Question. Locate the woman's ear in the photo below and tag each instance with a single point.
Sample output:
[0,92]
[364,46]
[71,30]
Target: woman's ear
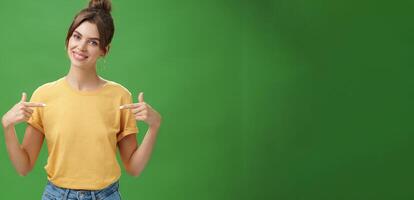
[106,50]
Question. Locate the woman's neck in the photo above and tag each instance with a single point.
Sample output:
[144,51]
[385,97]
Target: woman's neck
[84,79]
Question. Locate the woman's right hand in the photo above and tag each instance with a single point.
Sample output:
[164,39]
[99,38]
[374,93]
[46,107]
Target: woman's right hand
[20,112]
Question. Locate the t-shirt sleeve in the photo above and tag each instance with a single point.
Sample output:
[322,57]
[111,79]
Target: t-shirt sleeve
[36,119]
[127,122]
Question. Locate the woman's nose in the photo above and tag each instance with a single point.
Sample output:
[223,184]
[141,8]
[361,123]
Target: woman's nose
[82,46]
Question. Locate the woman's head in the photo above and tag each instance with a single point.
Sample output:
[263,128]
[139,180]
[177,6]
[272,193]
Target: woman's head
[96,19]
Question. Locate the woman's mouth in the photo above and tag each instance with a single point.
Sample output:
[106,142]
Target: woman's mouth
[79,56]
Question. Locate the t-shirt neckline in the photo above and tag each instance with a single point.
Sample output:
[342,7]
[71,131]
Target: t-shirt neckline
[92,92]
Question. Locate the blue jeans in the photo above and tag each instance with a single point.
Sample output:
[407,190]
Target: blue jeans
[53,192]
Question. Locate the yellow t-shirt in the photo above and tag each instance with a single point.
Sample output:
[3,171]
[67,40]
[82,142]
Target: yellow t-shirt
[82,129]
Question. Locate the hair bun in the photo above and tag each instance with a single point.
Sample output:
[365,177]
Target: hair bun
[100,4]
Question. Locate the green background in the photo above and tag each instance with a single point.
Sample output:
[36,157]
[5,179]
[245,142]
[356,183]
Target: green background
[282,99]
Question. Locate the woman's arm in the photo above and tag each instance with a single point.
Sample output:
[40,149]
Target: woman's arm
[136,158]
[22,156]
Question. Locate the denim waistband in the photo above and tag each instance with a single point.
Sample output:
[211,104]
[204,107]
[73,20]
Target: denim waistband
[93,194]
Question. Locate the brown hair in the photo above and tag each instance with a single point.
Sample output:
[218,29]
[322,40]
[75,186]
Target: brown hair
[98,12]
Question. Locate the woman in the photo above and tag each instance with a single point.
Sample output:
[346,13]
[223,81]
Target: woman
[83,118]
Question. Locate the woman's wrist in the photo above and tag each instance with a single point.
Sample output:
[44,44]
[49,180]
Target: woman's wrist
[5,122]
[155,125]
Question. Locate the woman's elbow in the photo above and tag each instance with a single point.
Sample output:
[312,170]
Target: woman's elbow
[134,172]
[24,171]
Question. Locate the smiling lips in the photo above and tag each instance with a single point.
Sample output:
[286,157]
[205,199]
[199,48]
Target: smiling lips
[79,56]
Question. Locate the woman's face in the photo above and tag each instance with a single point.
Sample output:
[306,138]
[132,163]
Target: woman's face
[83,46]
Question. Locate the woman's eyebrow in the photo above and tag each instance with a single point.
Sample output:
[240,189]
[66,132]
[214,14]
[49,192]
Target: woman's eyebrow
[89,38]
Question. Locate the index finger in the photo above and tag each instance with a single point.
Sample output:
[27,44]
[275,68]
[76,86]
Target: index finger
[129,106]
[32,104]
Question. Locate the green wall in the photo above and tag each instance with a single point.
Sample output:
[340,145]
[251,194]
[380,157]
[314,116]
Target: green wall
[270,99]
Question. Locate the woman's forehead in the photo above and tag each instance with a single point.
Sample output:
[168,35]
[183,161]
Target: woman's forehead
[88,30]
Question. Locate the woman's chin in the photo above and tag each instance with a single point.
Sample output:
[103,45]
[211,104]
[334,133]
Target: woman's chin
[78,65]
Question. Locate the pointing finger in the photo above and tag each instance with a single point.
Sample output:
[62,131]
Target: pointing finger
[128,106]
[31,104]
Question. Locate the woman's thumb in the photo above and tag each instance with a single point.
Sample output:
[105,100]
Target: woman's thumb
[23,97]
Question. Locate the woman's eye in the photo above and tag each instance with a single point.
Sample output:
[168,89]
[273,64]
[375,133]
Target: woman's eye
[93,43]
[77,37]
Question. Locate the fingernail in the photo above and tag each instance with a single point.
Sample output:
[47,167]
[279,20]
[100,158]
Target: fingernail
[120,107]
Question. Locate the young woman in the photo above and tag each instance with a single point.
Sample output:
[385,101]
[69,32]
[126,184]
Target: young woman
[84,119]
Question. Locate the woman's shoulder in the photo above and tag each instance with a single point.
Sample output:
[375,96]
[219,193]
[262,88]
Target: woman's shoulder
[117,88]
[46,89]
[48,86]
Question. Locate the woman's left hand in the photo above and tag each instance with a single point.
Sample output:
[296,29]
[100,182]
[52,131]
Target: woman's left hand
[144,112]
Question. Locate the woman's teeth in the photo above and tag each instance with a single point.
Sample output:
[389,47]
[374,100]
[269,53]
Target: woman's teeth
[79,56]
